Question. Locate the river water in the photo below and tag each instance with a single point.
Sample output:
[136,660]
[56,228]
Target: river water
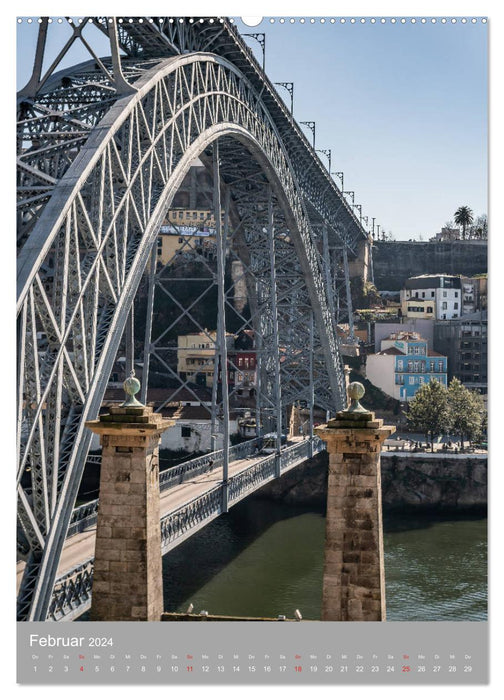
[264,559]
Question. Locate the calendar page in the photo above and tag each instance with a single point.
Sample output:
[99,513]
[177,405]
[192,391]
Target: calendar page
[252,323]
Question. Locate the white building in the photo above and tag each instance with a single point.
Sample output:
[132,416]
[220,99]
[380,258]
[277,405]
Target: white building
[432,296]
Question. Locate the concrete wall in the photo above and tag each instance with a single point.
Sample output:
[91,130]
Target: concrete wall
[395,261]
[380,372]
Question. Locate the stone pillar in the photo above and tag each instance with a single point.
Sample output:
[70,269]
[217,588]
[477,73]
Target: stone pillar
[354,573]
[127,581]
[295,421]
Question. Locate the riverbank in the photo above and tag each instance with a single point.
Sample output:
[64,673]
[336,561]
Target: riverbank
[419,481]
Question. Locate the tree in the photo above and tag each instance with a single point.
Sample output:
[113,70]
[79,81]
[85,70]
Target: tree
[480,228]
[428,411]
[466,412]
[463,217]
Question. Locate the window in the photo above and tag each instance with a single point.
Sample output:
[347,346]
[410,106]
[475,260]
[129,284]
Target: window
[185,431]
[412,380]
[445,305]
[181,215]
[399,364]
[432,365]
[455,305]
[456,295]
[445,294]
[423,295]
[432,294]
[429,309]
[420,380]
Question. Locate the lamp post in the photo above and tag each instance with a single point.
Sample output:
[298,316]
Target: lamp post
[290,88]
[327,153]
[311,126]
[340,178]
[261,40]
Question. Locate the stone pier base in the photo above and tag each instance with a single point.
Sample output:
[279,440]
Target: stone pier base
[127,581]
[354,574]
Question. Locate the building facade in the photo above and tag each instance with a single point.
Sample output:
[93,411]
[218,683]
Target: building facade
[196,358]
[465,342]
[432,296]
[474,294]
[404,364]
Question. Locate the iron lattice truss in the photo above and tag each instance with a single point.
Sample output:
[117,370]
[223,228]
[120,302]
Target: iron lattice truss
[102,150]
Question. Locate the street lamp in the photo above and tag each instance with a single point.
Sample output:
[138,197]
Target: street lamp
[340,177]
[290,88]
[327,153]
[311,126]
[261,39]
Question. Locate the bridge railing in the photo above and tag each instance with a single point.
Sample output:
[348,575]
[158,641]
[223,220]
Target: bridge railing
[200,465]
[187,518]
[250,479]
[72,593]
[83,516]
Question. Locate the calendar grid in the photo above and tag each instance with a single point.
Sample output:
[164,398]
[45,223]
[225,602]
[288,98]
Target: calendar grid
[269,652]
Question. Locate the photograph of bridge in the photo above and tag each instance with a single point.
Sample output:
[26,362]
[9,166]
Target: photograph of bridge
[198,294]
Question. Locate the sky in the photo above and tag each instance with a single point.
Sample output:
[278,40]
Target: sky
[402,107]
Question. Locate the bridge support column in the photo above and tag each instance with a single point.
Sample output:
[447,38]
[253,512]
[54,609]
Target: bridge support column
[354,572]
[127,582]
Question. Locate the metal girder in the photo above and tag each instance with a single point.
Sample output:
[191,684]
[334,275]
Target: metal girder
[85,253]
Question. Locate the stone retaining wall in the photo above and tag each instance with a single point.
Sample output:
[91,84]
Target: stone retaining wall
[418,480]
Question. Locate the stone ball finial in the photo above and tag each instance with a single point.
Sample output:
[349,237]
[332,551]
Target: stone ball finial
[131,387]
[356,390]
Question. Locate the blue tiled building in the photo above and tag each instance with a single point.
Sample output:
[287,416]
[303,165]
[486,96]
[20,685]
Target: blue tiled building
[404,364]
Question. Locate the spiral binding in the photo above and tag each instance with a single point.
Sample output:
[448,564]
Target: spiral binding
[284,20]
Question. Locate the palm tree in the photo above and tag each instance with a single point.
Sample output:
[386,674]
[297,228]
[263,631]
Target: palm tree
[463,217]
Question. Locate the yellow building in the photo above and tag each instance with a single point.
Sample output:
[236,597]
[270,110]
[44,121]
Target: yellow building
[186,233]
[196,357]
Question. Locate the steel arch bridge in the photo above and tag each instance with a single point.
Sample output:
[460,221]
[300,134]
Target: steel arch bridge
[103,148]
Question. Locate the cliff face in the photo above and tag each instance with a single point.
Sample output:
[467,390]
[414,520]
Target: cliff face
[420,481]
[394,262]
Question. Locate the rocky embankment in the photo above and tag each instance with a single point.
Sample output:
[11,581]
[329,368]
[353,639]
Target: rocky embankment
[420,481]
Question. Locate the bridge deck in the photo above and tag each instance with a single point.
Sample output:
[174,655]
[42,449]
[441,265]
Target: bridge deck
[80,547]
